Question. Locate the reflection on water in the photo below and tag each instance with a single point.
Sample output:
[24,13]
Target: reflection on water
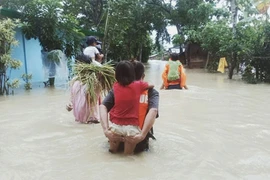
[218,129]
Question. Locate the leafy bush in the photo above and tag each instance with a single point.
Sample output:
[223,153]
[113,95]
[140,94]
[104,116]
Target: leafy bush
[7,63]
[248,76]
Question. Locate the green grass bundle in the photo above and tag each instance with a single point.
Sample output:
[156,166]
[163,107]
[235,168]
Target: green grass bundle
[96,79]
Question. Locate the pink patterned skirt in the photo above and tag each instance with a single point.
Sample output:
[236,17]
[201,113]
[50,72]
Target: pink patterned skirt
[82,111]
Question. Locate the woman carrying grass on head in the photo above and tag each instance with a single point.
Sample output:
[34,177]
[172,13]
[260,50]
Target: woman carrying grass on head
[86,87]
[125,113]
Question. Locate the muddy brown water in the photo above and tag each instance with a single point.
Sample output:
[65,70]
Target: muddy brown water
[218,129]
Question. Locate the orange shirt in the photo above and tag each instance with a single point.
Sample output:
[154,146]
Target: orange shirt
[143,107]
[181,81]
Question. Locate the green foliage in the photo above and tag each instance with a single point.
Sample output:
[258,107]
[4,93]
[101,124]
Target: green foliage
[7,41]
[129,25]
[177,40]
[90,13]
[55,56]
[191,15]
[27,78]
[260,58]
[45,20]
[216,38]
[248,76]
[13,4]
[147,49]
[54,23]
[13,84]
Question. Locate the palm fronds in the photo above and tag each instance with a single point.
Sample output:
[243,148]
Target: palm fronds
[98,79]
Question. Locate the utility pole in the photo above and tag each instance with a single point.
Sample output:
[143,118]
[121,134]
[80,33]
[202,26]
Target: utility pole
[234,12]
[106,43]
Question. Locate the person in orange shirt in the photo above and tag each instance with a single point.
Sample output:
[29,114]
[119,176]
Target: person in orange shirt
[173,75]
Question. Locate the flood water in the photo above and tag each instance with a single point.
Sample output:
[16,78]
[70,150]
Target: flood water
[218,129]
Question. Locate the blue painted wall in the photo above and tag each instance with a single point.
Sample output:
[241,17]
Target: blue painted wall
[33,63]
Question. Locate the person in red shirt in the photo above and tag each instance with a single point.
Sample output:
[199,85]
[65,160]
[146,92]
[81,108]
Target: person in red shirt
[125,113]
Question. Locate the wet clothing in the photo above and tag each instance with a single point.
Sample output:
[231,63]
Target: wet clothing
[222,65]
[181,80]
[143,107]
[126,108]
[125,130]
[173,73]
[152,102]
[175,86]
[79,99]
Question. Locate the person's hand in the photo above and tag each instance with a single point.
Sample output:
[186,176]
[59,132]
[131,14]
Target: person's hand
[69,107]
[113,137]
[162,87]
[134,139]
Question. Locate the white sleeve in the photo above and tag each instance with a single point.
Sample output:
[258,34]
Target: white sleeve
[86,52]
[96,50]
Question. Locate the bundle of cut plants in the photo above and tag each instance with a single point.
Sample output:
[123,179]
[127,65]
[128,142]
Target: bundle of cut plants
[96,78]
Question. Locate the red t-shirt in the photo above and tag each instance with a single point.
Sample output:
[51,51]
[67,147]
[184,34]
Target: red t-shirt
[126,103]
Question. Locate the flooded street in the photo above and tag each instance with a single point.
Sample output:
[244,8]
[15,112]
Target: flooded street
[218,129]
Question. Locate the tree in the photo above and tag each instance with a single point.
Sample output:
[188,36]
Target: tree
[129,26]
[14,4]
[7,41]
[260,56]
[90,14]
[44,20]
[216,38]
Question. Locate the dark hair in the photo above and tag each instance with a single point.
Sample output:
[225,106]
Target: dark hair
[139,69]
[174,57]
[82,58]
[90,40]
[124,73]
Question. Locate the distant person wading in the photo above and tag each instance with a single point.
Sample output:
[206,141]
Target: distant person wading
[173,75]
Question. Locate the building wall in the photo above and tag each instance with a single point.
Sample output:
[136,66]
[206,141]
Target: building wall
[33,64]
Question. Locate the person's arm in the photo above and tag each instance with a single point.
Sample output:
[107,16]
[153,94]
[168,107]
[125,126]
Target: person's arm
[149,122]
[165,76]
[104,108]
[153,102]
[144,86]
[69,106]
[162,86]
[98,55]
[182,77]
[104,118]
